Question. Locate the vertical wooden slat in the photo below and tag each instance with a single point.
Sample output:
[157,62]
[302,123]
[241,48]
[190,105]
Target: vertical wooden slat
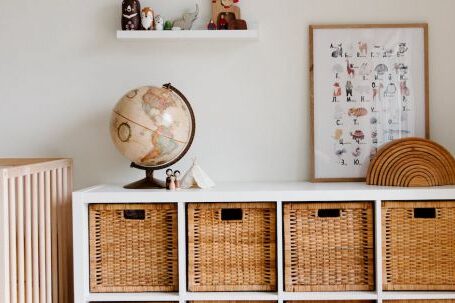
[4,238]
[61,277]
[42,239]
[69,234]
[35,239]
[47,195]
[12,240]
[55,220]
[28,240]
[20,240]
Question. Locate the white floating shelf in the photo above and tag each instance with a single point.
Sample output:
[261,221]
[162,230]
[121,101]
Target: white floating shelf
[250,34]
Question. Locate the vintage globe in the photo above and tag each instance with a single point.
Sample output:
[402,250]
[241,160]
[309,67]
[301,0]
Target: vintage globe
[153,126]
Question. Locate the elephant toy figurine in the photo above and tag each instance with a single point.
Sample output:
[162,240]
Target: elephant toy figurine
[187,20]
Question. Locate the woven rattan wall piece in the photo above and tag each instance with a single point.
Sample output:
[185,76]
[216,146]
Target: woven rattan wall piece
[328,246]
[418,242]
[412,162]
[133,247]
[232,247]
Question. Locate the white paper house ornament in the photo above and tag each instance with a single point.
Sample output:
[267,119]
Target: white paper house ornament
[196,177]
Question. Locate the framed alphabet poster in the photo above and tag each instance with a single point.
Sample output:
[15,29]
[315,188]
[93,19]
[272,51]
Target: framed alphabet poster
[369,86]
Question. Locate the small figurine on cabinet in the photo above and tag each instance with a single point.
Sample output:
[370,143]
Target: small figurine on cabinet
[187,20]
[147,18]
[131,19]
[222,23]
[169,174]
[172,183]
[177,179]
[159,23]
[211,26]
[225,8]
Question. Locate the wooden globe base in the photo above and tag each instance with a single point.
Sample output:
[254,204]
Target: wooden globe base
[149,182]
[412,162]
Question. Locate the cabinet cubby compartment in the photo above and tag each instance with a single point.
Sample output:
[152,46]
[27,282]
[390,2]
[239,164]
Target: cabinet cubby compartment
[232,246]
[328,246]
[418,245]
[332,301]
[133,248]
[231,301]
[421,301]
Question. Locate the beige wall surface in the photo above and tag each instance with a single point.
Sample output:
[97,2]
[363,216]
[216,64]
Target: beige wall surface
[62,70]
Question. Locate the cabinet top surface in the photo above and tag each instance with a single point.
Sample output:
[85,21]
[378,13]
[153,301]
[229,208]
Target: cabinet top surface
[268,191]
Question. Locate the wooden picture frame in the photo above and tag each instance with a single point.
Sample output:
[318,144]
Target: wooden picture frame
[414,37]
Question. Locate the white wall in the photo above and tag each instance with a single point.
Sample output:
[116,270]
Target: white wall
[62,70]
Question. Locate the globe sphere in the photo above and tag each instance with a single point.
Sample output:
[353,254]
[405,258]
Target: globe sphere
[153,126]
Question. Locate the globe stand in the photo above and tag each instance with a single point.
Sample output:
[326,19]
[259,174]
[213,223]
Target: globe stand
[149,182]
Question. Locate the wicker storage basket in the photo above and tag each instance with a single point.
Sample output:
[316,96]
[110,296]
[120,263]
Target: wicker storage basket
[232,247]
[332,301]
[231,301]
[420,301]
[328,246]
[418,245]
[133,247]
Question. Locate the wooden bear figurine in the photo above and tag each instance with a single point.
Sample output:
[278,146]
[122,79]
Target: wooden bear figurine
[131,15]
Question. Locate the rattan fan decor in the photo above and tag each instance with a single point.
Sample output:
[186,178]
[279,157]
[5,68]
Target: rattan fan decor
[412,162]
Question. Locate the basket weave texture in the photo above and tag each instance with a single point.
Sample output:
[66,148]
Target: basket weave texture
[233,301]
[232,255]
[418,249]
[133,254]
[421,301]
[328,246]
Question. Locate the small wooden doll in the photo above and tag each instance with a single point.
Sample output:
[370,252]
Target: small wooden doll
[172,183]
[222,23]
[211,26]
[131,19]
[147,18]
[159,23]
[169,173]
[177,179]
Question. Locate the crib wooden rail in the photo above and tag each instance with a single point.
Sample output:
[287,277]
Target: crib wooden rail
[35,231]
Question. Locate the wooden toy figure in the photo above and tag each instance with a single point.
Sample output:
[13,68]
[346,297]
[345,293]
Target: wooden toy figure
[159,23]
[211,26]
[131,19]
[225,8]
[222,23]
[172,183]
[169,173]
[147,18]
[177,179]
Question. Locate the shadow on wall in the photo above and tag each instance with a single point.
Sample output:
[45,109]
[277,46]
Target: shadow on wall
[95,157]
